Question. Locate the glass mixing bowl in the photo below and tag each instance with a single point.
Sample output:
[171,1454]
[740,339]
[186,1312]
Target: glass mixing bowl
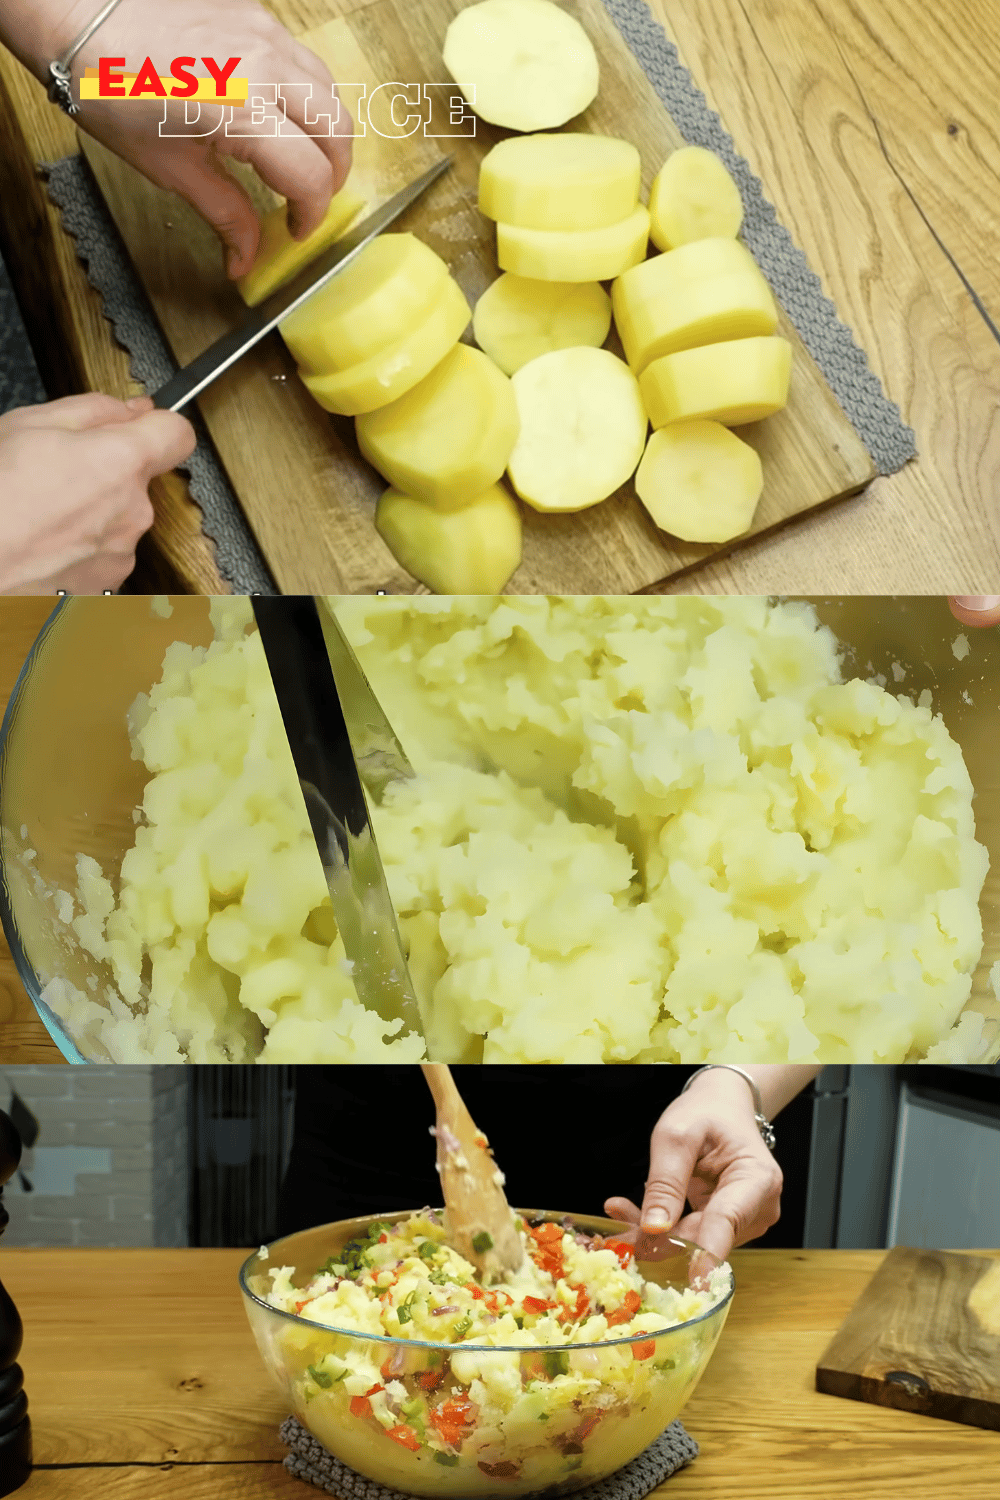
[69,785]
[519,1442]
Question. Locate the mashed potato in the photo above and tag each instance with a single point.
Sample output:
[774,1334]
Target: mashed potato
[559,1373]
[642,830]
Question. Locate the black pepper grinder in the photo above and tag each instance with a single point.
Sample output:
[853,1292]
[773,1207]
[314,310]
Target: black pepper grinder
[15,1424]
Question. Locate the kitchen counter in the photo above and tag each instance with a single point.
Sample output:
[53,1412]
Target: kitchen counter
[144,1383]
[872,131]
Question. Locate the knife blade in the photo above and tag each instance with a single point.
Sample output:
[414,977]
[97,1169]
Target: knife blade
[294,644]
[380,757]
[224,353]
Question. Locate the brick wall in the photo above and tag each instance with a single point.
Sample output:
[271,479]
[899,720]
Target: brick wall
[110,1163]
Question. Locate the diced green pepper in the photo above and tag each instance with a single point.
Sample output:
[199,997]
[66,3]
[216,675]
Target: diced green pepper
[448,1459]
[482,1242]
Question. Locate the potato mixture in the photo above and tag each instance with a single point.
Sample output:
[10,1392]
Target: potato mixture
[542,1377]
[642,830]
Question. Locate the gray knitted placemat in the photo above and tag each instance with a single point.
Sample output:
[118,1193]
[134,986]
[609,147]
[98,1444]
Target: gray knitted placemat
[876,419]
[674,1449]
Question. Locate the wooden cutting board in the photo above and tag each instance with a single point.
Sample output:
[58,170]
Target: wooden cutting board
[924,1336]
[307,493]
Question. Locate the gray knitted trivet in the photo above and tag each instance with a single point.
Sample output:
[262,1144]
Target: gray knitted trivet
[876,419]
[309,1460]
[85,216]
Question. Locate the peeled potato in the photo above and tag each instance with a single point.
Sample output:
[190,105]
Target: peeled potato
[583,426]
[474,550]
[279,256]
[693,197]
[707,293]
[700,482]
[449,439]
[388,375]
[742,381]
[561,181]
[522,64]
[517,320]
[574,254]
[370,305]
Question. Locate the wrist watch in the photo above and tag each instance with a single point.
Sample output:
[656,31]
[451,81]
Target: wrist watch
[762,1122]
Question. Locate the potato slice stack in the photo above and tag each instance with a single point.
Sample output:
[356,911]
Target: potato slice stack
[566,206]
[436,418]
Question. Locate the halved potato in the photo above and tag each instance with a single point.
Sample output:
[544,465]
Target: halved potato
[516,320]
[574,254]
[447,440]
[370,305]
[522,64]
[700,482]
[564,181]
[705,293]
[388,375]
[473,550]
[279,256]
[693,197]
[583,426]
[733,383]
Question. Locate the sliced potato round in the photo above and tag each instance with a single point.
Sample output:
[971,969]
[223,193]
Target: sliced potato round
[388,375]
[700,482]
[447,440]
[473,550]
[522,64]
[517,320]
[693,197]
[279,256]
[583,426]
[370,305]
[706,293]
[742,381]
[565,181]
[574,254]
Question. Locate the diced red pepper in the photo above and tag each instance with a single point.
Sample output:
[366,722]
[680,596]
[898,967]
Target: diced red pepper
[624,1314]
[537,1305]
[384,1370]
[405,1436]
[360,1406]
[476,1291]
[374,1390]
[586,1427]
[505,1470]
[493,1302]
[300,1305]
[574,1314]
[624,1252]
[452,1417]
[383,1239]
[644,1351]
[429,1380]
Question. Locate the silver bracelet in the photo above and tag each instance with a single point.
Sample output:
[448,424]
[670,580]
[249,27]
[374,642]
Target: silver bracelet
[763,1123]
[60,77]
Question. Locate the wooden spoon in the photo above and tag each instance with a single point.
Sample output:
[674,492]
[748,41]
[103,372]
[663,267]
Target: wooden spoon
[478,1220]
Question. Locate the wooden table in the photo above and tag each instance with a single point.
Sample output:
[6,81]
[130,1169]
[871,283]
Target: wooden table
[144,1384]
[872,128]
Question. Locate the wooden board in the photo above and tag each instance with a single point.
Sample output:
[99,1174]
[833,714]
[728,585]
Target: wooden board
[308,495]
[924,1336]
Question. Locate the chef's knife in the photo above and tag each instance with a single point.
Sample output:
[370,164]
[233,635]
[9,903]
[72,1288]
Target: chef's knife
[296,651]
[220,356]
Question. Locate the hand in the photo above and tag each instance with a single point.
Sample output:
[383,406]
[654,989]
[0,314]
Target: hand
[976,610]
[306,170]
[706,1150]
[74,477]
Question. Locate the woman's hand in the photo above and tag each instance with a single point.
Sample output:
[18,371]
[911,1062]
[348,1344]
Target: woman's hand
[74,480]
[706,1150]
[306,169]
[976,609]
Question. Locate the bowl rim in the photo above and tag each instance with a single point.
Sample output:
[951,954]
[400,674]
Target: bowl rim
[25,969]
[540,1215]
